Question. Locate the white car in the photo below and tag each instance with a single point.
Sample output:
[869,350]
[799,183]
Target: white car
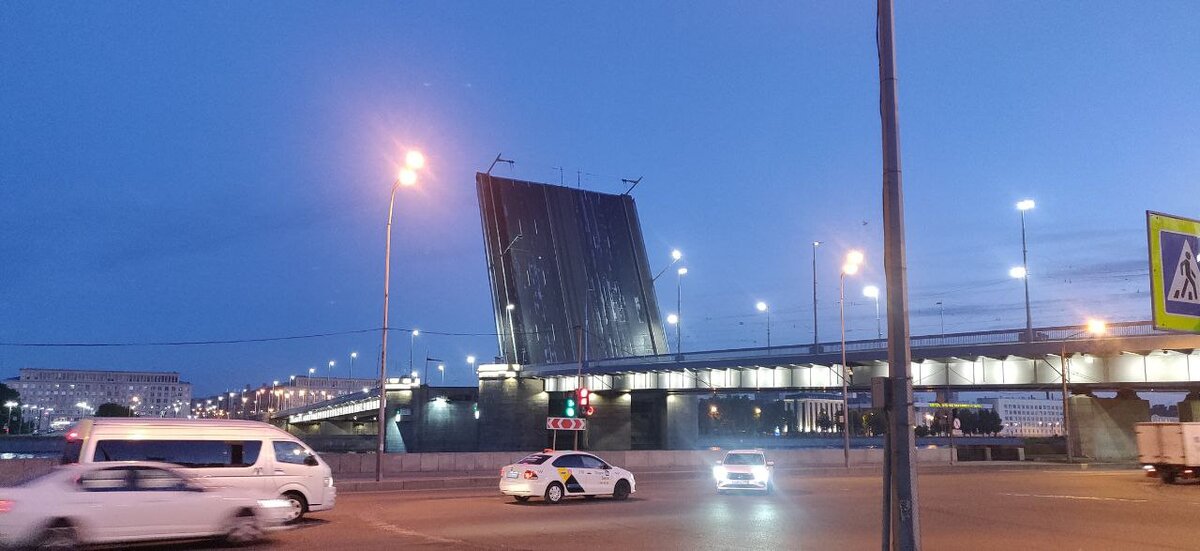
[555,475]
[129,501]
[744,470]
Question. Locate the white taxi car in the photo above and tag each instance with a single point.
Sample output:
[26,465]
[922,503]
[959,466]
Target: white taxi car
[744,470]
[555,475]
[130,501]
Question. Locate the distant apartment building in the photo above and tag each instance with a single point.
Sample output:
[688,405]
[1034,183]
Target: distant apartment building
[1029,415]
[61,396]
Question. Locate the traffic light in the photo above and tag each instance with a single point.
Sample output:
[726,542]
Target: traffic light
[569,411]
[585,403]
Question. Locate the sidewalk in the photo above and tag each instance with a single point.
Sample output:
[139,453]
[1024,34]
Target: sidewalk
[411,481]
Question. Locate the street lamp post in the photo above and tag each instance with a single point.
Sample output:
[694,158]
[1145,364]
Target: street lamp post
[512,330]
[329,375]
[942,317]
[815,244]
[762,307]
[1023,206]
[442,372]
[408,176]
[871,291]
[679,309]
[350,373]
[676,255]
[853,259]
[1096,328]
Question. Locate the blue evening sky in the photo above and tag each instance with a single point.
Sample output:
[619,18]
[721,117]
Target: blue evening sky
[220,170]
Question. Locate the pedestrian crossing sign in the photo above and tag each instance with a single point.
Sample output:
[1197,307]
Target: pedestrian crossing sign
[1174,271]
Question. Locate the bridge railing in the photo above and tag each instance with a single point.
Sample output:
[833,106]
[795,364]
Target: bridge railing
[971,338]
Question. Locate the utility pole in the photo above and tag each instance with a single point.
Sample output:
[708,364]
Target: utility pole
[905,522]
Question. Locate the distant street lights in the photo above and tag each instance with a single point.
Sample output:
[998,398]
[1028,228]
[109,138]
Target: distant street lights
[762,307]
[8,427]
[871,291]
[1023,206]
[850,267]
[676,256]
[413,161]
[1095,328]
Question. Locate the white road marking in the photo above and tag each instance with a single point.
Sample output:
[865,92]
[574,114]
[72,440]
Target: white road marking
[1081,498]
[392,528]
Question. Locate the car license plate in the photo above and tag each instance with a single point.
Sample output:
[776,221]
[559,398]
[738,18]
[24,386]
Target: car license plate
[512,474]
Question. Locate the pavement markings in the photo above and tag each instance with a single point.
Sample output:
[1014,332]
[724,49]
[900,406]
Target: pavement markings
[1081,498]
[393,529]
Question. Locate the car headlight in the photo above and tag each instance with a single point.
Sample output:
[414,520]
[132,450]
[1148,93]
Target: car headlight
[760,472]
[719,473]
[329,482]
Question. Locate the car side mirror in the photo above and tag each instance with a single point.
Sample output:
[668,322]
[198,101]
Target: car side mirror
[770,463]
[311,460]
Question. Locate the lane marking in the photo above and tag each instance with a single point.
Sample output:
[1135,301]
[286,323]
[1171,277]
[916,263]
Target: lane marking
[392,528]
[1081,498]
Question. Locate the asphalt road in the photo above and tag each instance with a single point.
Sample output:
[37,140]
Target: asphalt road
[971,509]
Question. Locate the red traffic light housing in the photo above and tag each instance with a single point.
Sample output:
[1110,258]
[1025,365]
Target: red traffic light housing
[583,397]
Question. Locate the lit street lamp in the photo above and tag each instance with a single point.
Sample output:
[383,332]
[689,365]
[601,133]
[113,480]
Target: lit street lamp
[353,356]
[853,260]
[815,244]
[412,345]
[676,255]
[413,161]
[871,291]
[762,307]
[512,330]
[1023,206]
[8,427]
[442,372]
[329,374]
[673,319]
[1095,328]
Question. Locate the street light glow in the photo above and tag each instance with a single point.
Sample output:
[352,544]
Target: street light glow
[415,333]
[407,177]
[510,307]
[854,257]
[414,160]
[672,319]
[871,291]
[1096,327]
[471,359]
[1025,204]
[683,271]
[1017,272]
[676,254]
[353,355]
[761,306]
[850,268]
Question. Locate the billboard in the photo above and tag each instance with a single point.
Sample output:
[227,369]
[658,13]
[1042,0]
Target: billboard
[1174,271]
[568,271]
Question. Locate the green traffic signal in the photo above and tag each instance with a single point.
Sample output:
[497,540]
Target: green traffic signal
[570,410]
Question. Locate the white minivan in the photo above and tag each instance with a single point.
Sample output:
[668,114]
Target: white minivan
[220,452]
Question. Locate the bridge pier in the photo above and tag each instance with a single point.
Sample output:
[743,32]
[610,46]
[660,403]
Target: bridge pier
[1189,408]
[512,414]
[1102,428]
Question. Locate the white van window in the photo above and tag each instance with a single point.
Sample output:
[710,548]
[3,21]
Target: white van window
[291,452]
[106,480]
[187,453]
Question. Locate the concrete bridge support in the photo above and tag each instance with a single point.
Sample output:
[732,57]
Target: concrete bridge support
[512,414]
[1102,428]
[1189,408]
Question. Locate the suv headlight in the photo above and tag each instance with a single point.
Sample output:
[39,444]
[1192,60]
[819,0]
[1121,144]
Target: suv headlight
[760,472]
[719,473]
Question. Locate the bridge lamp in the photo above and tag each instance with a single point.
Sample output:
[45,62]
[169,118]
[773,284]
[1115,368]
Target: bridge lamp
[1096,327]
[672,319]
[676,255]
[1017,272]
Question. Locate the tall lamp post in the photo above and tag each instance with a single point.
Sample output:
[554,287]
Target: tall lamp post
[815,244]
[329,374]
[1023,206]
[762,307]
[8,426]
[442,371]
[871,291]
[679,309]
[412,345]
[853,260]
[673,319]
[1095,328]
[413,161]
[350,373]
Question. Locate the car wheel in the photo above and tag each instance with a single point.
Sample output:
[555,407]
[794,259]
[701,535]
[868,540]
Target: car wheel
[521,499]
[244,528]
[554,493]
[59,535]
[1167,475]
[297,507]
[621,490]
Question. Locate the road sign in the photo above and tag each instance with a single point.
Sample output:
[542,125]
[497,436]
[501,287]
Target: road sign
[1174,271]
[566,423]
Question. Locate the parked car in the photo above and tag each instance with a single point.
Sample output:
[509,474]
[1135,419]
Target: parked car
[128,502]
[744,470]
[247,454]
[555,475]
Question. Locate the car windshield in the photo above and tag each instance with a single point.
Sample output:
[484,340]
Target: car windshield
[535,459]
[744,459]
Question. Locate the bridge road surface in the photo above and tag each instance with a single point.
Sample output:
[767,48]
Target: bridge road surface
[975,508]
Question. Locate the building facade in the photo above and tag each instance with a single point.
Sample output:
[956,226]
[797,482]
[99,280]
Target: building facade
[1029,415]
[58,397]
